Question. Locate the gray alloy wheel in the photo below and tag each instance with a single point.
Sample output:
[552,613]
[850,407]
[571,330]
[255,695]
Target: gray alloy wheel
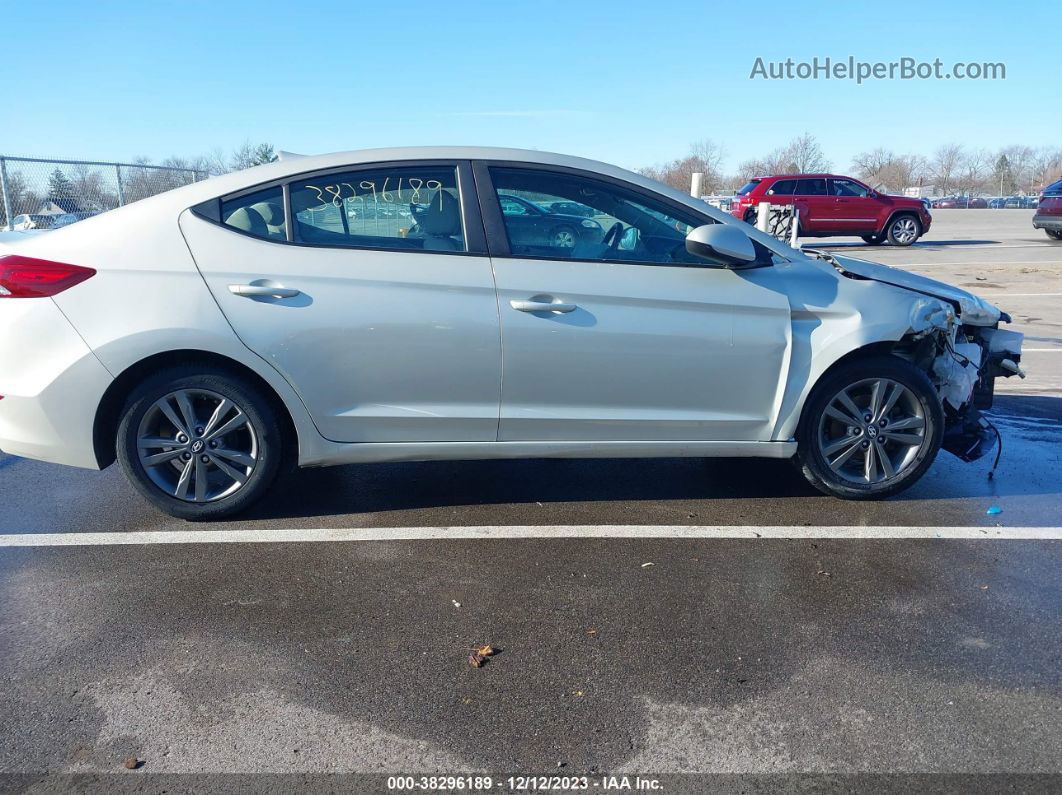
[197,445]
[904,231]
[873,431]
[563,237]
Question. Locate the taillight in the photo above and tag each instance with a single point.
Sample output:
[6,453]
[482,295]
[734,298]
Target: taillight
[27,277]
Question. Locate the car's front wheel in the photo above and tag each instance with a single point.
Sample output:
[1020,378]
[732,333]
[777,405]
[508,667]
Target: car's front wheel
[904,230]
[1054,233]
[563,237]
[199,443]
[870,429]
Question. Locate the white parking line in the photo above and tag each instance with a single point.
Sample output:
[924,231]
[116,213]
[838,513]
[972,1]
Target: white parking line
[295,535]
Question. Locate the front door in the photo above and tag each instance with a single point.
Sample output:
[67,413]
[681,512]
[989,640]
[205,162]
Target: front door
[378,306]
[854,209]
[624,336]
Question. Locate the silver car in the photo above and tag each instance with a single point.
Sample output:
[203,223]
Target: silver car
[377,306]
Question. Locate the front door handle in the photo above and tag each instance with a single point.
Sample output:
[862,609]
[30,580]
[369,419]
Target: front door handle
[263,290]
[542,306]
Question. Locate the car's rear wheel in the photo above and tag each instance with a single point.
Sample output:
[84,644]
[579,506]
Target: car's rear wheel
[1054,233]
[873,240]
[750,216]
[904,230]
[870,429]
[199,443]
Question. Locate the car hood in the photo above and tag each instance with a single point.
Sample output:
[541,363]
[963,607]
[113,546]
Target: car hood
[972,309]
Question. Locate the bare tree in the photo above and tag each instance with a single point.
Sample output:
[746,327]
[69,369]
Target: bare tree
[884,169]
[804,155]
[705,157]
[944,166]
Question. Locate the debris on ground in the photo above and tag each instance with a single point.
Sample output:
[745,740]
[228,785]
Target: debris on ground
[993,510]
[591,632]
[456,603]
[823,573]
[132,763]
[647,565]
[480,655]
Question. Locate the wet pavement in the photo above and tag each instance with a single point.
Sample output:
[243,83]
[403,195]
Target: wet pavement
[773,656]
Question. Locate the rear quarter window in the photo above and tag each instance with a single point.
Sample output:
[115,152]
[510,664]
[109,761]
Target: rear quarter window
[747,188]
[260,214]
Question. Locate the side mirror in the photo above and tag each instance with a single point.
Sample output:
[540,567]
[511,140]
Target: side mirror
[723,244]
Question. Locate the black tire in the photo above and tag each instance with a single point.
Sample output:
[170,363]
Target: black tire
[750,216]
[1054,234]
[565,233]
[813,462]
[897,231]
[262,428]
[873,240]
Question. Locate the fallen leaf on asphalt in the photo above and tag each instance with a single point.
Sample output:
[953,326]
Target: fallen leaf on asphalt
[132,763]
[476,660]
[485,651]
[591,632]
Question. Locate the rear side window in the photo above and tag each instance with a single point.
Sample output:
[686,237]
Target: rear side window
[260,214]
[747,188]
[387,208]
[1054,189]
[783,187]
[811,187]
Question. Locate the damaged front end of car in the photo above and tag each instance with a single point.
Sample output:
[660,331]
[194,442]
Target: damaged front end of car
[955,338]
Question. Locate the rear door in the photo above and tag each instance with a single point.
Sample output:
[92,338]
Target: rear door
[370,290]
[814,204]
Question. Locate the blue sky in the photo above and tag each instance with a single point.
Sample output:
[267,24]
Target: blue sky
[630,83]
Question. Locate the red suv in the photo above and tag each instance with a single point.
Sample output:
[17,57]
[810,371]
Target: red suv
[1049,212]
[832,205]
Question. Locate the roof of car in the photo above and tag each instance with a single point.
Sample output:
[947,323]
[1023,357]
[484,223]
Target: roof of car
[803,176]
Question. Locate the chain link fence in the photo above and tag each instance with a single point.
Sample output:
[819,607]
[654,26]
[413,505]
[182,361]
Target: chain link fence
[42,194]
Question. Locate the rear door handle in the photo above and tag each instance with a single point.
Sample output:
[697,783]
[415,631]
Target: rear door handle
[542,306]
[260,290]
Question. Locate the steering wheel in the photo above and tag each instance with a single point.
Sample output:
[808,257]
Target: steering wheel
[612,236]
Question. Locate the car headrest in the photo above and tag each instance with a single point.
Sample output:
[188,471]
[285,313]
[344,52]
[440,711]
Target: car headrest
[248,219]
[272,214]
[443,216]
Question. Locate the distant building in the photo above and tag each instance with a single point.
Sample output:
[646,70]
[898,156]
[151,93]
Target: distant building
[58,207]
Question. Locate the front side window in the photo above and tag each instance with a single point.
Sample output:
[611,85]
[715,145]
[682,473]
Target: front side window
[613,223]
[845,187]
[390,208]
[811,187]
[260,214]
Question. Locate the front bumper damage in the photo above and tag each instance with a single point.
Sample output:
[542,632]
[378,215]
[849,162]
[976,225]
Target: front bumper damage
[966,362]
[954,336]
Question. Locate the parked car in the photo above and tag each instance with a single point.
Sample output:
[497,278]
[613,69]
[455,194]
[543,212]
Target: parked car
[206,336]
[1049,211]
[571,208]
[976,203]
[830,205]
[1020,202]
[65,219]
[997,202]
[531,226]
[32,221]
